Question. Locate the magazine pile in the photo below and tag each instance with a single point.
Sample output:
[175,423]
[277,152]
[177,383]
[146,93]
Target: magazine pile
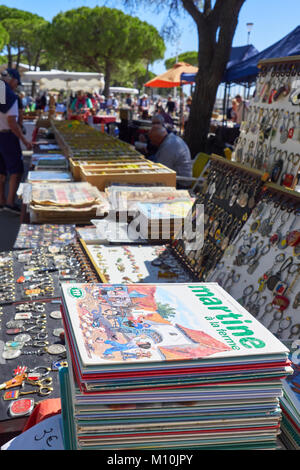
[168,366]
[290,402]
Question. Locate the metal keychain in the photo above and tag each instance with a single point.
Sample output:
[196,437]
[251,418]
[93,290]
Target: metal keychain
[277,317]
[283,327]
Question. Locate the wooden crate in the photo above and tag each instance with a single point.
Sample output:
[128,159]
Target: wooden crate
[76,164]
[160,175]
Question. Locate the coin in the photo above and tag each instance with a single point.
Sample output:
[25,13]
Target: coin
[11,353]
[56,349]
[56,314]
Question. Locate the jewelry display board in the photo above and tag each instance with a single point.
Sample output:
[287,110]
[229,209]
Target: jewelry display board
[31,332]
[34,236]
[136,263]
[261,268]
[32,350]
[269,138]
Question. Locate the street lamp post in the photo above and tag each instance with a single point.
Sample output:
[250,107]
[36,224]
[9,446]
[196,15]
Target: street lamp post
[249,29]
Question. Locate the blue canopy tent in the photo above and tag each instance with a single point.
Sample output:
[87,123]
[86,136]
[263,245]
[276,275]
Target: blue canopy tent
[246,70]
[237,55]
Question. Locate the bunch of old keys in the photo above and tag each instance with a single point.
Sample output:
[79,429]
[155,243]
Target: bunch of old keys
[263,270]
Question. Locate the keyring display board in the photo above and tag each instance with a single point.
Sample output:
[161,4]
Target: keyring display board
[270,135]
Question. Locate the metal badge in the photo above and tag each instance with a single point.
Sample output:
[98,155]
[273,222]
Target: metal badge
[11,354]
[56,314]
[56,349]
[22,407]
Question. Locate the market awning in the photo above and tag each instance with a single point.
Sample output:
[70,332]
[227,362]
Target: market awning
[172,77]
[60,75]
[247,70]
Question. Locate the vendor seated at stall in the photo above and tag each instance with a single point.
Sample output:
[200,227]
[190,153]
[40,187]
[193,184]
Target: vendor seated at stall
[81,104]
[172,152]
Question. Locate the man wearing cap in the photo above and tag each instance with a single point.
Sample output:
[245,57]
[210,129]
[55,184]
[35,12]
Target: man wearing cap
[11,162]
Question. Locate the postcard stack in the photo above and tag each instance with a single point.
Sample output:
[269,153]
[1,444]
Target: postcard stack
[66,203]
[162,221]
[168,366]
[290,402]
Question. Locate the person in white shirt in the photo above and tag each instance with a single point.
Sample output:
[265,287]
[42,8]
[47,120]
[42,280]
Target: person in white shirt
[11,134]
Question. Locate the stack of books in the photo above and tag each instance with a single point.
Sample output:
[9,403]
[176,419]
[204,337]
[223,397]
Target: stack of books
[168,366]
[290,402]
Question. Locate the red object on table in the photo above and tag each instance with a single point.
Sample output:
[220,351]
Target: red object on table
[104,119]
[43,410]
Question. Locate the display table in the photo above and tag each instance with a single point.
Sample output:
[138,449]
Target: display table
[104,119]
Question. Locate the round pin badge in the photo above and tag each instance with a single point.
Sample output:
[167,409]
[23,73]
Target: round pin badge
[22,407]
[58,331]
[56,349]
[56,314]
[11,353]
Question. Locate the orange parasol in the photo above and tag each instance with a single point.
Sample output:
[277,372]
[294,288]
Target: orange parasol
[171,78]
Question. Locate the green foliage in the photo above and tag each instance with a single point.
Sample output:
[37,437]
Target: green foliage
[4,37]
[24,35]
[100,39]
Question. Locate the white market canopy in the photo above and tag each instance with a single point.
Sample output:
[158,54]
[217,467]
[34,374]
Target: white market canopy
[57,79]
[73,81]
[119,89]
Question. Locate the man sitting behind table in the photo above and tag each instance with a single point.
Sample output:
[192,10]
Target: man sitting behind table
[172,152]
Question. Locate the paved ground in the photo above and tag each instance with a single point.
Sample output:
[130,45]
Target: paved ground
[10,223]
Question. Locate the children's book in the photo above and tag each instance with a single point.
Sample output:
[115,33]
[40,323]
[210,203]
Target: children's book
[162,326]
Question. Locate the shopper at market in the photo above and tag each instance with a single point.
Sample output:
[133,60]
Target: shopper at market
[172,152]
[241,109]
[144,106]
[170,106]
[11,134]
[232,112]
[112,104]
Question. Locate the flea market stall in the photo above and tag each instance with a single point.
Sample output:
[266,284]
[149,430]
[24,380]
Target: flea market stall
[160,317]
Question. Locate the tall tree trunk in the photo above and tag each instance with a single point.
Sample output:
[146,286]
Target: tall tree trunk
[107,78]
[216,29]
[198,124]
[9,57]
[18,58]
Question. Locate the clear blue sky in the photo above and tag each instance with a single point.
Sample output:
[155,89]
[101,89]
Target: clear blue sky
[272,19]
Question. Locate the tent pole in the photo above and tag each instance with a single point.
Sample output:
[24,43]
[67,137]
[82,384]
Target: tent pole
[181,110]
[224,104]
